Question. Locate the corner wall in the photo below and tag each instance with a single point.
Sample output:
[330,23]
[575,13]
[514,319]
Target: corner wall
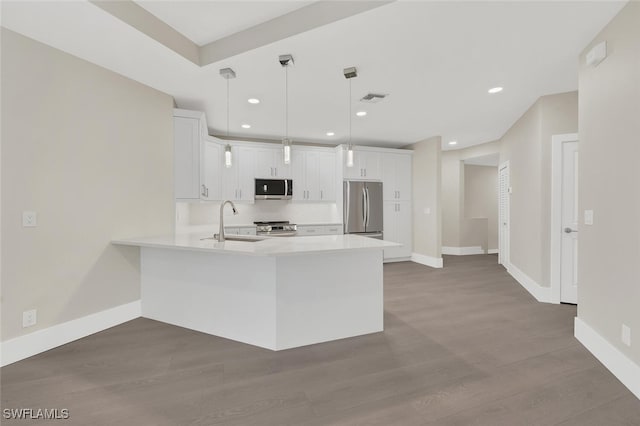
[91,152]
[427,209]
[609,184]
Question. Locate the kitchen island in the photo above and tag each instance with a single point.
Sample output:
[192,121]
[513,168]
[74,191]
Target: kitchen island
[275,293]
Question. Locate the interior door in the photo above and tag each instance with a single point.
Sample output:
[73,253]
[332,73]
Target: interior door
[569,247]
[503,213]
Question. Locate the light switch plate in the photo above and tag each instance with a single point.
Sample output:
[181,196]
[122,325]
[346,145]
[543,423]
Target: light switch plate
[626,335]
[29,219]
[588,217]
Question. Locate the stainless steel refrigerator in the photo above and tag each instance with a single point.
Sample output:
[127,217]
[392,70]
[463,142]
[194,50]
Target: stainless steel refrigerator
[363,208]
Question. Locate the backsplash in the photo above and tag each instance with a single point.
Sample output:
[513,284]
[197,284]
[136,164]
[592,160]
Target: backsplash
[199,214]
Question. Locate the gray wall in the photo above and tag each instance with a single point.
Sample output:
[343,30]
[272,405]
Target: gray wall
[527,147]
[427,227]
[609,184]
[90,152]
[481,198]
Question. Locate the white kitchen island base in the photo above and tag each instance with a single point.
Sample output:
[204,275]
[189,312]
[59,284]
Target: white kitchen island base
[275,302]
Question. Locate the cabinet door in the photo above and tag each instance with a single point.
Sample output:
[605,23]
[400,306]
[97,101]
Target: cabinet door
[390,228]
[265,163]
[327,176]
[211,172]
[186,145]
[312,175]
[390,190]
[246,160]
[282,171]
[298,174]
[370,164]
[309,230]
[404,228]
[403,177]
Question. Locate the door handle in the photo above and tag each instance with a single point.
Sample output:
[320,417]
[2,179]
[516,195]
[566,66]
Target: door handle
[569,230]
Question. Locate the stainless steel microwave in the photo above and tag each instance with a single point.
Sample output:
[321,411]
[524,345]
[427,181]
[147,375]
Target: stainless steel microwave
[274,189]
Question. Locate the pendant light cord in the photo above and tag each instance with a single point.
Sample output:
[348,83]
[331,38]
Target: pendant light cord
[286,102]
[227,108]
[350,113]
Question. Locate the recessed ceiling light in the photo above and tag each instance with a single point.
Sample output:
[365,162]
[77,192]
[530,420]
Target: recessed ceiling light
[495,90]
[361,113]
[330,134]
[453,142]
[253,101]
[246,126]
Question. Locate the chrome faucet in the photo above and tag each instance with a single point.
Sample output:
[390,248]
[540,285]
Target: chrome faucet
[220,235]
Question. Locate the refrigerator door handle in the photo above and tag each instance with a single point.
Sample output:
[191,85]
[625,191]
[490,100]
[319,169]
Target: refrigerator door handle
[366,224]
[346,221]
[364,207]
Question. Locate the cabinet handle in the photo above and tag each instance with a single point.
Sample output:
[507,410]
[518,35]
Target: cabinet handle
[240,192]
[275,171]
[207,191]
[203,193]
[321,195]
[365,172]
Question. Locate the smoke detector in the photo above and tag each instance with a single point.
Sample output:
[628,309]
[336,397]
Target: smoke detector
[372,98]
[227,73]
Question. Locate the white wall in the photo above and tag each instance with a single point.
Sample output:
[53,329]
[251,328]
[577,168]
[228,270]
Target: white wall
[609,184]
[427,227]
[526,145]
[91,152]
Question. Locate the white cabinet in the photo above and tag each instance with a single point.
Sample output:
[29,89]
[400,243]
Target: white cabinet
[238,180]
[313,175]
[366,166]
[396,176]
[210,170]
[186,154]
[310,230]
[397,229]
[239,230]
[270,164]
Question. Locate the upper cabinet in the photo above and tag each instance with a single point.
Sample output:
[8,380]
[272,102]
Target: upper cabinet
[314,175]
[270,164]
[210,164]
[187,134]
[396,176]
[366,165]
[238,180]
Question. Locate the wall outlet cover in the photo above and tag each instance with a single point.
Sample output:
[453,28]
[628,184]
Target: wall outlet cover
[29,318]
[588,217]
[29,219]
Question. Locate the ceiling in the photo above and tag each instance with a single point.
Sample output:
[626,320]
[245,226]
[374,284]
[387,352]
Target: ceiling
[206,21]
[436,60]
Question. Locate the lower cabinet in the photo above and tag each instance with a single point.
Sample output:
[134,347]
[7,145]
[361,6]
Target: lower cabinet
[397,229]
[240,230]
[310,230]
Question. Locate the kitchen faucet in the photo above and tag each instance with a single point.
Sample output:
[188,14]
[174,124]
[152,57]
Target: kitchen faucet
[220,235]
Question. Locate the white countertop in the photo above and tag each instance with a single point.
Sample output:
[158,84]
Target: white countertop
[272,246]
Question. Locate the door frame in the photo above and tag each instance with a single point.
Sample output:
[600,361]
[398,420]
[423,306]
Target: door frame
[504,257]
[556,211]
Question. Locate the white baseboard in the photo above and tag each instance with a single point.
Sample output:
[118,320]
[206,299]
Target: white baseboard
[397,259]
[622,367]
[462,251]
[542,294]
[434,262]
[39,341]
[492,251]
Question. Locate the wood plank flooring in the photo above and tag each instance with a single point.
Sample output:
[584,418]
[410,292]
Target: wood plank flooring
[463,345]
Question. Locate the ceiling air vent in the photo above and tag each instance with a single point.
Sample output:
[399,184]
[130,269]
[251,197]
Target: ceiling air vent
[373,98]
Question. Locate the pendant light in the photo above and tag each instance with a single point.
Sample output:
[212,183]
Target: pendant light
[285,61]
[349,74]
[227,74]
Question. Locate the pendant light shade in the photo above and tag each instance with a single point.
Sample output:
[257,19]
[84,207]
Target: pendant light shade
[285,61]
[227,74]
[349,74]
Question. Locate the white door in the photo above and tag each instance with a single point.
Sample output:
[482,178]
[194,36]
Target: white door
[503,214]
[569,247]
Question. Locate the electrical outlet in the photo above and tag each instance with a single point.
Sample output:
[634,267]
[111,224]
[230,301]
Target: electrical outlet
[29,219]
[29,318]
[426,210]
[626,335]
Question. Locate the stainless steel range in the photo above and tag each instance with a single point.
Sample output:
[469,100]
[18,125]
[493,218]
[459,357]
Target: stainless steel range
[280,228]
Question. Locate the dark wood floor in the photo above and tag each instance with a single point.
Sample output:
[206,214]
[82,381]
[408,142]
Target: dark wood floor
[463,345]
